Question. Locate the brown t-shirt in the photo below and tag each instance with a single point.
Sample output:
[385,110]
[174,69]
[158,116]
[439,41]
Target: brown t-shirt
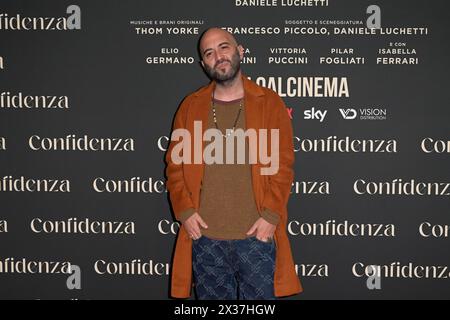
[227,203]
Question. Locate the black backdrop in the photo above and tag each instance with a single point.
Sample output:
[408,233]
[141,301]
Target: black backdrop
[120,77]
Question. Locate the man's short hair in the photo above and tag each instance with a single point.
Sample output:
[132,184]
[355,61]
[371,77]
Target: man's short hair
[200,53]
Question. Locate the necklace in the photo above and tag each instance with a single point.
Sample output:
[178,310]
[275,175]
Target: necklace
[215,118]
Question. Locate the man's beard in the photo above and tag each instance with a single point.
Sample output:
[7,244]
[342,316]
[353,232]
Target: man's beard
[220,77]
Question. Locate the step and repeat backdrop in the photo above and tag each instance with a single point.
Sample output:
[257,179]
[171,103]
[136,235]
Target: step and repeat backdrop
[88,92]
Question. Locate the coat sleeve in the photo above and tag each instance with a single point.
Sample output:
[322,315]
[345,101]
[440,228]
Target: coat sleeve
[277,194]
[179,195]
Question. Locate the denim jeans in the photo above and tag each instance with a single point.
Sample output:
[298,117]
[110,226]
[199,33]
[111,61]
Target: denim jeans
[233,269]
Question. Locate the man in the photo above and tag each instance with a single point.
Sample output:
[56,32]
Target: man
[233,234]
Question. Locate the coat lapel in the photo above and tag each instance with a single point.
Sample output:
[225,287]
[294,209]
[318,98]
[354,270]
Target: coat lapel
[254,119]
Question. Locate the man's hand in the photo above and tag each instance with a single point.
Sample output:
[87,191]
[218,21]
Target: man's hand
[193,224]
[264,230]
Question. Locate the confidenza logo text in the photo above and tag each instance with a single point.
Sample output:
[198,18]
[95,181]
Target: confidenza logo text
[18,22]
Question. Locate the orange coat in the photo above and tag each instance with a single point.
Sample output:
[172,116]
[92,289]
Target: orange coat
[264,109]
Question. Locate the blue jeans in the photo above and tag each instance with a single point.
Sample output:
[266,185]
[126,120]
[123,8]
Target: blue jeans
[233,269]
